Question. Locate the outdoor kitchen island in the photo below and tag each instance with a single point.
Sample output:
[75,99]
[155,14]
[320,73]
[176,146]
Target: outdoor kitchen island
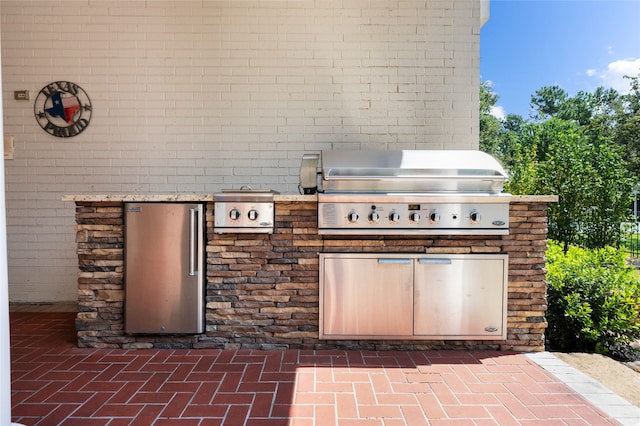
[263,289]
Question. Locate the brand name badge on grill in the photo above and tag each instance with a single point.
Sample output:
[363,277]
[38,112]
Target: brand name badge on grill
[498,223]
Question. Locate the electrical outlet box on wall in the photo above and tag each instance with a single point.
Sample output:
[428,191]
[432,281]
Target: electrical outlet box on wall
[8,147]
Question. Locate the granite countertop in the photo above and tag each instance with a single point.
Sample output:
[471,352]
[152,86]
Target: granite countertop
[127,198]
[96,198]
[535,198]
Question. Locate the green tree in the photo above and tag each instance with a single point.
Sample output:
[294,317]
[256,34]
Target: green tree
[490,126]
[627,126]
[591,181]
[549,102]
[569,150]
[498,137]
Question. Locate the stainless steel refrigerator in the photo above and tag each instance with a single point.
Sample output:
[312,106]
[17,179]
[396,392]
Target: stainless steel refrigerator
[164,268]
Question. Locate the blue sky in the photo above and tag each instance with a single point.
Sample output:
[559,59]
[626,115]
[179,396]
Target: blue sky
[575,44]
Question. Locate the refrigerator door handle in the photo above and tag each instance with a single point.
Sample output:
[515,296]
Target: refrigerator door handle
[193,243]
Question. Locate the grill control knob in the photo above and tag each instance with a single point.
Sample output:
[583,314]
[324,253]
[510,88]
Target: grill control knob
[414,217]
[253,214]
[394,216]
[234,214]
[474,217]
[434,217]
[374,216]
[352,217]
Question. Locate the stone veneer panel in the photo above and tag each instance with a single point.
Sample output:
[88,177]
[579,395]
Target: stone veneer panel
[262,290]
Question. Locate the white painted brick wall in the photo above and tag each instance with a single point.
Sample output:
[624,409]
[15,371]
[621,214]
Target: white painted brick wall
[195,96]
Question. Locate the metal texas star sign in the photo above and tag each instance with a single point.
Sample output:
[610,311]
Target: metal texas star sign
[63,109]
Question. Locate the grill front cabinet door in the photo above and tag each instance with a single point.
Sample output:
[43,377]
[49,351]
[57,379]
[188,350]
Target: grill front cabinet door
[461,296]
[366,297]
[413,296]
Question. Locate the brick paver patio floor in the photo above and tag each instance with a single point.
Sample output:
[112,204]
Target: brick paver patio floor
[56,383]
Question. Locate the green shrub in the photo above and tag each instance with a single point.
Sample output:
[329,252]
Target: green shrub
[593,300]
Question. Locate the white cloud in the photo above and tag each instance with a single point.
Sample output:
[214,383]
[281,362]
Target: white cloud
[613,75]
[498,112]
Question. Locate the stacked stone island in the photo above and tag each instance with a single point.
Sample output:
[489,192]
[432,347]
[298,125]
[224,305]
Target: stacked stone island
[262,290]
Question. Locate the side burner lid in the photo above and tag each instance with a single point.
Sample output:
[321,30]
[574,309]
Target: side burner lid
[245,193]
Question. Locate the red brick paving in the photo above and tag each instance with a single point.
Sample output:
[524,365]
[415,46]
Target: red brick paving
[56,383]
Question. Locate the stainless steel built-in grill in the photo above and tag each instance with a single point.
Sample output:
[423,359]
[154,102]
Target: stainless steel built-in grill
[410,296]
[410,192]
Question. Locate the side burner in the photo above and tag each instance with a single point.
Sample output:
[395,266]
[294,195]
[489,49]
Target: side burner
[244,211]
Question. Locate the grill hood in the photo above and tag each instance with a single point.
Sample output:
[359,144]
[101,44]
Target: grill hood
[411,171]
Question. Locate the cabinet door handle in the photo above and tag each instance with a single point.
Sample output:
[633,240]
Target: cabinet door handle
[193,241]
[435,261]
[391,261]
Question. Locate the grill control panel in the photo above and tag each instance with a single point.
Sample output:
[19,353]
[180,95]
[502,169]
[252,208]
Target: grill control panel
[244,216]
[413,218]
